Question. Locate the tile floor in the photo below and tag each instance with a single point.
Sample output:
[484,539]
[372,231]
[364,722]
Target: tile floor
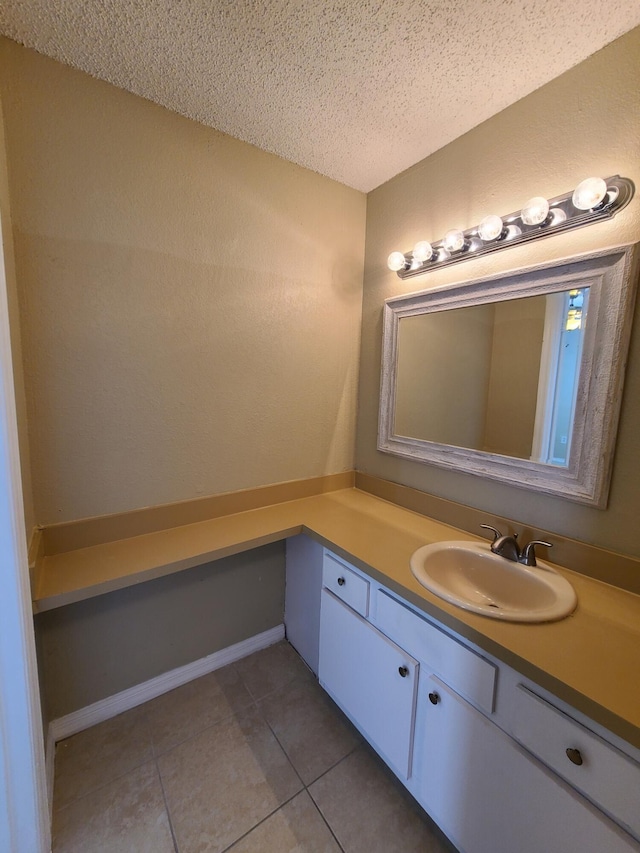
[253,758]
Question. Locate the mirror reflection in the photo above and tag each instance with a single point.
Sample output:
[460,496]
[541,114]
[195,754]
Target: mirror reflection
[499,377]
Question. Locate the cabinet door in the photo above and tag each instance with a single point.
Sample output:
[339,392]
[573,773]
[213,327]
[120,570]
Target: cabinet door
[371,679]
[489,796]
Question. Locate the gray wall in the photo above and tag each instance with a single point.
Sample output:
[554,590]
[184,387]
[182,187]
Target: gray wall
[95,648]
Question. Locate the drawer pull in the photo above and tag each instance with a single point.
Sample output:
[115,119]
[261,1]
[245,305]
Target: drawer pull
[574,756]
[404,672]
[341,581]
[434,698]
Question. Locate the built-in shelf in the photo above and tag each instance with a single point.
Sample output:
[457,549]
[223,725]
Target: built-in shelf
[600,643]
[76,575]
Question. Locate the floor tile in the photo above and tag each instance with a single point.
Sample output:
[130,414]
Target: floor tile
[124,816]
[297,827]
[222,782]
[92,758]
[187,710]
[311,729]
[271,668]
[369,812]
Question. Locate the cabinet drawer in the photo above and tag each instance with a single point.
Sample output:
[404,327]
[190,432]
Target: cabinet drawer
[465,671]
[346,584]
[606,776]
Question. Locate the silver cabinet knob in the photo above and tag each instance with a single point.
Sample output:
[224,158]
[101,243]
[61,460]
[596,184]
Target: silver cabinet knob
[434,698]
[341,581]
[404,672]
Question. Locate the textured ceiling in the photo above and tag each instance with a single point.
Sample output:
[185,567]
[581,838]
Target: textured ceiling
[356,90]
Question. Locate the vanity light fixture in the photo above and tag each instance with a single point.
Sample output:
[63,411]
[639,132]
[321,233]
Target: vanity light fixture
[454,241]
[422,251]
[574,311]
[535,211]
[594,199]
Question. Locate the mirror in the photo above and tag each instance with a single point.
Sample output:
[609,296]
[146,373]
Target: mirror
[516,377]
[511,378]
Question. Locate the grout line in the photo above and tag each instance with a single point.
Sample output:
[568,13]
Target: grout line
[325,821]
[162,753]
[253,704]
[257,699]
[260,822]
[90,793]
[286,754]
[305,787]
[360,742]
[166,808]
[233,713]
[333,766]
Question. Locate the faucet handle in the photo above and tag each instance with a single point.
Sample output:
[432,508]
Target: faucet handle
[529,553]
[496,533]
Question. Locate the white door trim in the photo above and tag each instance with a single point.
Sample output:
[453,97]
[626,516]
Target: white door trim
[24,813]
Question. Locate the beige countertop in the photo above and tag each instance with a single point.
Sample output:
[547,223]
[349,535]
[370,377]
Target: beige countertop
[591,659]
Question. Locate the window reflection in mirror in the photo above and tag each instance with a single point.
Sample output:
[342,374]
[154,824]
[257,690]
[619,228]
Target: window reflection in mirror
[500,377]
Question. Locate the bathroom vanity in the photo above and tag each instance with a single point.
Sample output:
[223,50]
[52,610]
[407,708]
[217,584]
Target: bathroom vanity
[498,762]
[484,721]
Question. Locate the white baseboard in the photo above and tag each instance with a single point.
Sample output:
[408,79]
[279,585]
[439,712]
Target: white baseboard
[104,709]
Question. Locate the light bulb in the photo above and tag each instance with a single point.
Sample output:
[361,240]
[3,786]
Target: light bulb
[490,228]
[589,193]
[557,216]
[396,261]
[453,240]
[535,211]
[422,251]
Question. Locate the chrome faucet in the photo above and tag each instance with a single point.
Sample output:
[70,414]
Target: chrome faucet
[507,547]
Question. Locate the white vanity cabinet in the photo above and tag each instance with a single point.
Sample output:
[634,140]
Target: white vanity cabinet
[488,795]
[491,767]
[372,679]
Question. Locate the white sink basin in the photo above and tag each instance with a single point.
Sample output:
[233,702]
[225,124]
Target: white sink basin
[469,575]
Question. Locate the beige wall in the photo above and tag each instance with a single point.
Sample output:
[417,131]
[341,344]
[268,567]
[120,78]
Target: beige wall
[190,305]
[431,349]
[585,122]
[515,371]
[7,264]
